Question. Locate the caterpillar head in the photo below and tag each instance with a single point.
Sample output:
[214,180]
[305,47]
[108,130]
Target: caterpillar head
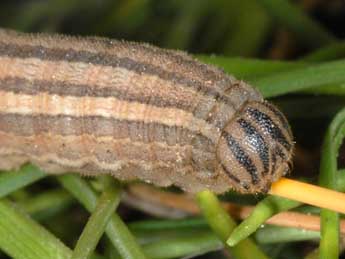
[255,148]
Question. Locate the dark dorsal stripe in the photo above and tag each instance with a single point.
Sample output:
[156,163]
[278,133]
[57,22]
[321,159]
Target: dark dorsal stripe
[102,43]
[105,59]
[267,123]
[241,156]
[257,142]
[97,126]
[33,87]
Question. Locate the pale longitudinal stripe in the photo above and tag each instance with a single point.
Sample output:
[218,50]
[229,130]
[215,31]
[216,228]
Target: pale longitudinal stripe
[105,107]
[123,82]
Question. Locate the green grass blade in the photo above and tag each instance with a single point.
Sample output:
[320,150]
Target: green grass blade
[329,244]
[23,238]
[291,81]
[329,248]
[80,189]
[122,239]
[151,225]
[263,210]
[14,180]
[293,18]
[183,246]
[186,240]
[95,227]
[273,234]
[116,229]
[275,78]
[222,224]
[249,68]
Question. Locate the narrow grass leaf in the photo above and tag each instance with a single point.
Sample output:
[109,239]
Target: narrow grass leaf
[97,222]
[300,79]
[151,225]
[13,180]
[22,238]
[116,229]
[274,234]
[263,210]
[274,78]
[222,224]
[249,68]
[329,244]
[183,246]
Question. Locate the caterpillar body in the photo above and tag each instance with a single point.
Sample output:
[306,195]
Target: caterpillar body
[100,106]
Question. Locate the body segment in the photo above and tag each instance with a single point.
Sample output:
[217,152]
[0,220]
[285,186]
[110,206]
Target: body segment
[95,105]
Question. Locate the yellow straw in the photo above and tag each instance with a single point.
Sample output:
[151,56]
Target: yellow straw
[310,194]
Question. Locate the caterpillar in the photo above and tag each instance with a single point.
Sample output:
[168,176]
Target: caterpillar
[100,106]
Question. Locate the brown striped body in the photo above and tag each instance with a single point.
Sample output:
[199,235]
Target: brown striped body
[94,105]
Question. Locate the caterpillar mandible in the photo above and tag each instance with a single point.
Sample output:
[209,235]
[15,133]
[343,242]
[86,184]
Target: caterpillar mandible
[101,106]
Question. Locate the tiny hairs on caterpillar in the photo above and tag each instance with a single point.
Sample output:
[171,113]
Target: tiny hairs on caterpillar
[100,106]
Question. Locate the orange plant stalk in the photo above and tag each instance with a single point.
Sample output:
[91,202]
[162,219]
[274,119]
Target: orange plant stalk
[309,194]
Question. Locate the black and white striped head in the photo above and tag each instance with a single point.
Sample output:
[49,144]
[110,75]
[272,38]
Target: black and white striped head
[255,148]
